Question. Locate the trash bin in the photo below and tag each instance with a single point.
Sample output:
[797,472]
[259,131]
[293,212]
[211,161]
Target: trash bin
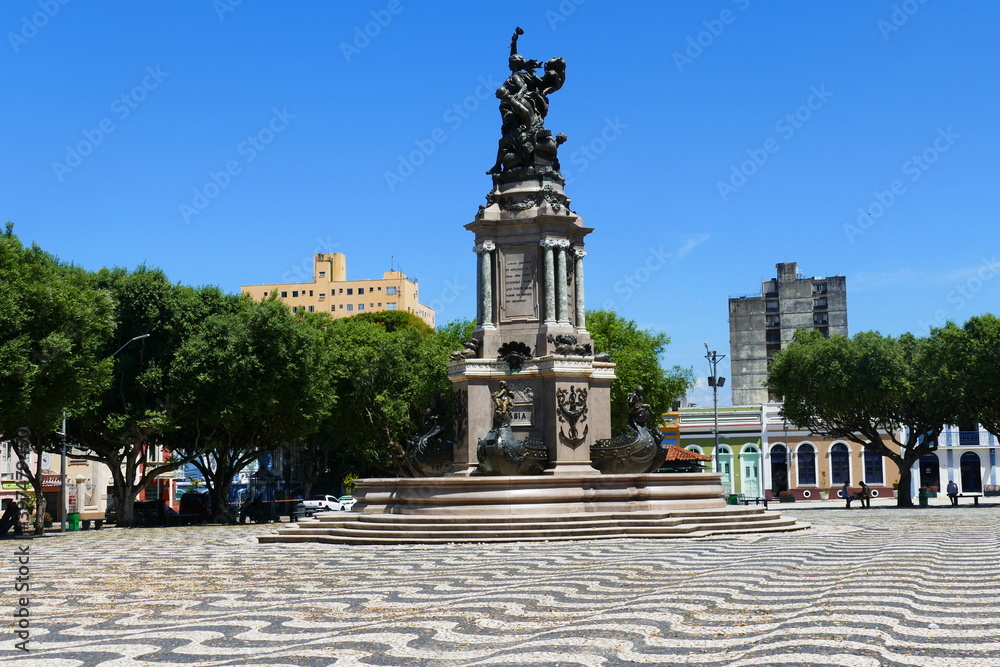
[734,499]
[73,521]
[922,497]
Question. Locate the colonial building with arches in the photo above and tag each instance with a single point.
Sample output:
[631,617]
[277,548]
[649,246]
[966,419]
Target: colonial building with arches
[967,454]
[760,455]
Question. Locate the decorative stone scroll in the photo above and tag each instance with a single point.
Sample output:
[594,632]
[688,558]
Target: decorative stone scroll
[571,406]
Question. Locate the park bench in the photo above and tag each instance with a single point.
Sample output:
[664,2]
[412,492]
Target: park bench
[975,497]
[756,501]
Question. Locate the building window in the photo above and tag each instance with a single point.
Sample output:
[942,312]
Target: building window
[390,306]
[379,288]
[968,434]
[310,292]
[350,307]
[312,309]
[361,290]
[322,295]
[820,319]
[284,295]
[807,464]
[350,290]
[380,304]
[873,467]
[819,302]
[390,290]
[361,306]
[840,464]
[295,293]
[341,290]
[295,309]
[819,288]
[772,320]
[771,306]
[322,274]
[333,306]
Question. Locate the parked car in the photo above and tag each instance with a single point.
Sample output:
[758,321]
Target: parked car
[346,503]
[322,504]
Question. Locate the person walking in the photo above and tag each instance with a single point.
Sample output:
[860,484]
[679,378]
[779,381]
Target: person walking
[953,492]
[865,495]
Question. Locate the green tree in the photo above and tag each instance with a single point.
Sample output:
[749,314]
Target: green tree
[972,355]
[636,353]
[52,328]
[386,379]
[869,389]
[137,414]
[455,334]
[255,376]
[394,320]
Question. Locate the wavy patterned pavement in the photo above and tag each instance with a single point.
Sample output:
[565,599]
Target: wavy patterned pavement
[862,587]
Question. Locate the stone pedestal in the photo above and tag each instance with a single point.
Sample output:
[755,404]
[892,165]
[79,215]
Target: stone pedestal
[535,389]
[530,251]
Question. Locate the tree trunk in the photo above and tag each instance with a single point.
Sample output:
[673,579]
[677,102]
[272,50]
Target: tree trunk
[218,481]
[220,500]
[903,497]
[36,483]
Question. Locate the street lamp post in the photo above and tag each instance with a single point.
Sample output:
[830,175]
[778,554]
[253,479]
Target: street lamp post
[714,381]
[62,464]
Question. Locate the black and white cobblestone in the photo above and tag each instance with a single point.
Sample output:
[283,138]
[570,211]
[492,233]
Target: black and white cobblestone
[862,587]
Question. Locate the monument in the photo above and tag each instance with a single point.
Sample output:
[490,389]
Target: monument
[533,456]
[531,328]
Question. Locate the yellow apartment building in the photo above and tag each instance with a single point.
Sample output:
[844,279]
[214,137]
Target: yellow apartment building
[331,292]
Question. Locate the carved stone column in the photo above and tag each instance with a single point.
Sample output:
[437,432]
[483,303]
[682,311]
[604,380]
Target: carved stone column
[581,317]
[550,293]
[484,282]
[562,289]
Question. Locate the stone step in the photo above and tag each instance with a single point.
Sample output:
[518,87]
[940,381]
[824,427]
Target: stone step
[706,514]
[409,529]
[334,536]
[543,523]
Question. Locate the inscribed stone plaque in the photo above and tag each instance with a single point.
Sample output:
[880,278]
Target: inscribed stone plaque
[519,282]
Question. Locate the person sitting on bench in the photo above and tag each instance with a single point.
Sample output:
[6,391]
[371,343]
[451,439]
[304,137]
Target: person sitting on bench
[10,519]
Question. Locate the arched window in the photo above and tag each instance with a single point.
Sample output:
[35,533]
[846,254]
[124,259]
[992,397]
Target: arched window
[840,464]
[873,468]
[694,448]
[807,464]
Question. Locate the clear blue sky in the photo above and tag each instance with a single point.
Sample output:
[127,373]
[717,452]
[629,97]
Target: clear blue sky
[118,113]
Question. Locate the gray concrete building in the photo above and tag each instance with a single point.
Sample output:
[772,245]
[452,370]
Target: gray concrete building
[760,325]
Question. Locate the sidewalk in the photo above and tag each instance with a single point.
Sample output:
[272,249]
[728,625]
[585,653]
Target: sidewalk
[941,501]
[860,588]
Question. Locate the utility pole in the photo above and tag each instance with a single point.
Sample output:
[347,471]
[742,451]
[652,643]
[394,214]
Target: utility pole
[714,381]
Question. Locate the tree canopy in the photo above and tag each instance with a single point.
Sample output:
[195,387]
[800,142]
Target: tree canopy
[53,325]
[251,378]
[972,352]
[387,378]
[636,353]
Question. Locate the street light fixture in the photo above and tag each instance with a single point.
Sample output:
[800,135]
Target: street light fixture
[130,340]
[62,435]
[714,381]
